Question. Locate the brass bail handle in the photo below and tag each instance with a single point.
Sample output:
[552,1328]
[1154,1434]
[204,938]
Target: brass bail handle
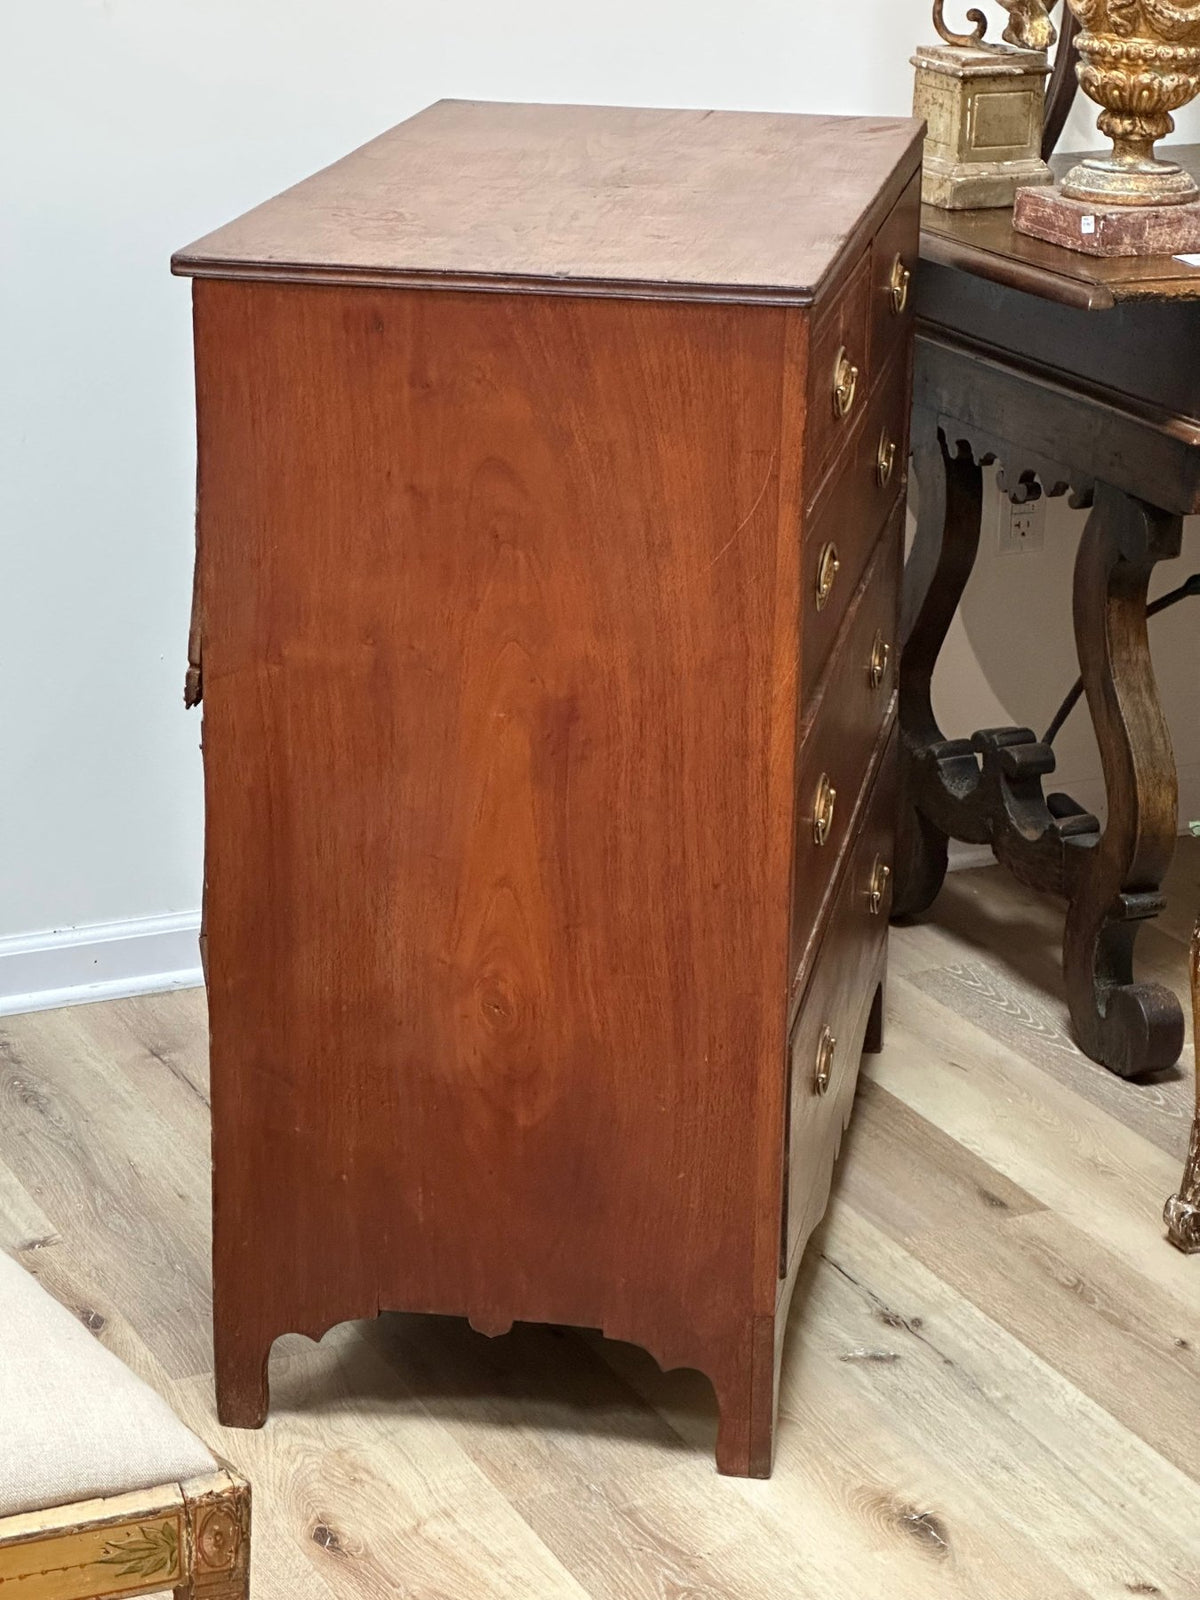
[877,888]
[827,570]
[823,1070]
[845,383]
[881,654]
[885,459]
[823,809]
[898,282]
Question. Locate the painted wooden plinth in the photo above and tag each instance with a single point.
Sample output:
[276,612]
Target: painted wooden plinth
[1047,213]
[193,1538]
[983,113]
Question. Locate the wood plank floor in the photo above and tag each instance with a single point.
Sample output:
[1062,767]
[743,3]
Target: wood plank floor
[992,1380]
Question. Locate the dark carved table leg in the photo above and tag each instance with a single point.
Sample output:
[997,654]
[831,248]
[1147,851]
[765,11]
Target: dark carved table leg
[950,500]
[1113,884]
[988,789]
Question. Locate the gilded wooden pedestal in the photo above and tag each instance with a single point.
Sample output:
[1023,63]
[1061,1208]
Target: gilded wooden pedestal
[983,106]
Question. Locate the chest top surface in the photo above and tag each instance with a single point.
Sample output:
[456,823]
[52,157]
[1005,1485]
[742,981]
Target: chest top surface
[582,200]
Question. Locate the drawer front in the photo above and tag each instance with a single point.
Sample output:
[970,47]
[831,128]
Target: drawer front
[826,1043]
[845,524]
[839,375]
[841,739]
[893,265]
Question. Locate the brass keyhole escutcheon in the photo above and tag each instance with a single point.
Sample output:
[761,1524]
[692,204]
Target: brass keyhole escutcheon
[845,383]
[827,570]
[881,654]
[823,809]
[885,459]
[823,1070]
[877,888]
[898,281]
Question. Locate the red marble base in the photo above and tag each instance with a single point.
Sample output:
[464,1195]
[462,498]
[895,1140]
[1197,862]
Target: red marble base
[1047,213]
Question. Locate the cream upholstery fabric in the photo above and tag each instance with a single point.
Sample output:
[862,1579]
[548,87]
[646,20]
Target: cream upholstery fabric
[74,1421]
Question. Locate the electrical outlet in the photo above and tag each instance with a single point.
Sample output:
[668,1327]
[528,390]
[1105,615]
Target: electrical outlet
[1020,529]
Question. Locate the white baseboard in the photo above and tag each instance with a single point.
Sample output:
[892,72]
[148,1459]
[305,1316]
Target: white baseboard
[145,955]
[106,961]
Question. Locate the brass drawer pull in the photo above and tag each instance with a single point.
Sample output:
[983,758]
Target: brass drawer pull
[827,571]
[898,281]
[845,383]
[885,459]
[823,809]
[881,654]
[823,1071]
[877,888]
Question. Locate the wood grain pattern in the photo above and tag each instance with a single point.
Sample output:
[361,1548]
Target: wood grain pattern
[986,244]
[986,1383]
[1060,400]
[987,1421]
[498,615]
[582,1436]
[23,1223]
[1130,1026]
[529,658]
[584,200]
[67,1125]
[1106,356]
[1044,422]
[1030,1022]
[1109,1183]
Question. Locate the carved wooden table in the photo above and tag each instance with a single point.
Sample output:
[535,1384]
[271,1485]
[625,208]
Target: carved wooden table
[1076,375]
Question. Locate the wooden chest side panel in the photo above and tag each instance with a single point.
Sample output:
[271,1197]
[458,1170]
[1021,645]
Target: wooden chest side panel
[498,691]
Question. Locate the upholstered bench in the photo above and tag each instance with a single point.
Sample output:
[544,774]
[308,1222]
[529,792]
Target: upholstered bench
[103,1491]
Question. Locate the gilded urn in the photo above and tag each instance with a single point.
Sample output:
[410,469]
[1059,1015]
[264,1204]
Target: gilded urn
[1139,60]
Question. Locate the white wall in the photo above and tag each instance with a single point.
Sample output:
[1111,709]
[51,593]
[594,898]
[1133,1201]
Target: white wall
[130,127]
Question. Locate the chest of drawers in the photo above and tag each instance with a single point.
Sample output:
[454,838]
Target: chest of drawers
[547,566]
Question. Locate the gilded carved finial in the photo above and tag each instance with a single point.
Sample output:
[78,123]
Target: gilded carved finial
[983,107]
[1029,26]
[965,41]
[1140,61]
